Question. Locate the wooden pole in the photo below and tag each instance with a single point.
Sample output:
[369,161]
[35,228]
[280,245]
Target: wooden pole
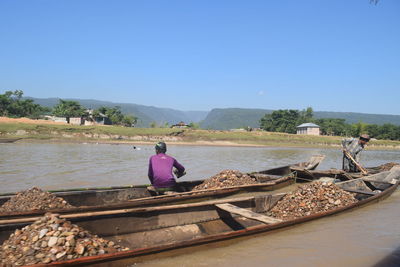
[361,168]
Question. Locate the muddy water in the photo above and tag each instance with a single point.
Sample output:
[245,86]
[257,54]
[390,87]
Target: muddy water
[359,238]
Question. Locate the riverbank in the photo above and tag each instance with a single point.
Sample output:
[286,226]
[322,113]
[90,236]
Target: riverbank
[46,131]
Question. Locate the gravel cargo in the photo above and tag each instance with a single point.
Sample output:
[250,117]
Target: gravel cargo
[311,198]
[51,239]
[226,178]
[34,199]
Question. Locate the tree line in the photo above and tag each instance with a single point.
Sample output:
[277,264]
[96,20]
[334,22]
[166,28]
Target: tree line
[287,121]
[12,105]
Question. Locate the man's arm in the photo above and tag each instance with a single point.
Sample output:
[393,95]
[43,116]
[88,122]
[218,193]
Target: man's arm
[150,172]
[346,142]
[180,169]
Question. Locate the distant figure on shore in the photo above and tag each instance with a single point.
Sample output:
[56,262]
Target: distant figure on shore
[353,146]
[160,171]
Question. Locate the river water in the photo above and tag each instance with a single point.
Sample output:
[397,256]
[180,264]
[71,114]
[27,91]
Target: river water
[358,238]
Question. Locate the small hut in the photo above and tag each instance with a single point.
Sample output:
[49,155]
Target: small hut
[308,128]
[180,125]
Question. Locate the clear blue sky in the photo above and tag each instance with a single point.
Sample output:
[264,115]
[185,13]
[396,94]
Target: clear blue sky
[336,55]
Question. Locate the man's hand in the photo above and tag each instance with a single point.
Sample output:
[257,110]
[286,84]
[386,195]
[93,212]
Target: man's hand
[179,174]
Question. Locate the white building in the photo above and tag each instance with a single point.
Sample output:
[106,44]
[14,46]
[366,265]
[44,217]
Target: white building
[308,128]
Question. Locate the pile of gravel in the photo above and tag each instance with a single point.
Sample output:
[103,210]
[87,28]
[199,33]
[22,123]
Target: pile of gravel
[226,178]
[311,198]
[388,166]
[34,199]
[51,239]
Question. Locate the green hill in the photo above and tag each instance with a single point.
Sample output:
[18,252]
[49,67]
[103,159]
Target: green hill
[230,118]
[352,117]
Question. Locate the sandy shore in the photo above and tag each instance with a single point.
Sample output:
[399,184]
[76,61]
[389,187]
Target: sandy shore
[30,121]
[125,142]
[192,143]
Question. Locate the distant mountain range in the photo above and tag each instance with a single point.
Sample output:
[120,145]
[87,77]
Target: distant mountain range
[228,118]
[231,118]
[218,119]
[353,117]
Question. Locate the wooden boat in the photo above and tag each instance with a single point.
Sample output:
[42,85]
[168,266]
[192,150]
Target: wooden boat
[391,260]
[95,199]
[303,174]
[9,140]
[156,229]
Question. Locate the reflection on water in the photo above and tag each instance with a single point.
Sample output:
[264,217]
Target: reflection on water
[359,238]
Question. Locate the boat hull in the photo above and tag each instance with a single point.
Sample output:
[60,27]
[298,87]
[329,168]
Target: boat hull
[9,140]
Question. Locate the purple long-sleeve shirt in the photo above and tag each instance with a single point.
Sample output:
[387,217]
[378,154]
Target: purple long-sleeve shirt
[160,170]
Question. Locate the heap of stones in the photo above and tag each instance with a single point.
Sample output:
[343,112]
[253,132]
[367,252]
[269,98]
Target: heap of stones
[52,239]
[226,178]
[34,199]
[388,166]
[311,198]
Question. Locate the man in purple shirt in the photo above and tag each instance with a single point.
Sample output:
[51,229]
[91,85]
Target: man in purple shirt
[160,170]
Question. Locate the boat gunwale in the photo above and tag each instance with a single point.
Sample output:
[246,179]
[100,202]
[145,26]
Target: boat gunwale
[283,181]
[136,210]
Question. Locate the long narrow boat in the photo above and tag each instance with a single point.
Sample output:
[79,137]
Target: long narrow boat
[391,260]
[96,199]
[303,174]
[156,229]
[9,140]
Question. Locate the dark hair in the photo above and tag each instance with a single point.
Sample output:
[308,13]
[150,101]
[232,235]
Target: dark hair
[161,147]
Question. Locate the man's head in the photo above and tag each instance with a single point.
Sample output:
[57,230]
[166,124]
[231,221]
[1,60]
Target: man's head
[364,138]
[161,147]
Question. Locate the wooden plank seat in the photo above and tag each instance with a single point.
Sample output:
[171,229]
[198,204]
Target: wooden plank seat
[379,181]
[361,192]
[247,213]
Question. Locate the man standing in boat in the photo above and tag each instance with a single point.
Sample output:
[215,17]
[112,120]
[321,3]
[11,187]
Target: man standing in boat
[353,146]
[160,170]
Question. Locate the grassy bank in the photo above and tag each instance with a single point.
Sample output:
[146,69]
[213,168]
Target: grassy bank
[125,134]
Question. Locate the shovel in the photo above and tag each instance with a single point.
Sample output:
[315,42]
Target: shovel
[361,168]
